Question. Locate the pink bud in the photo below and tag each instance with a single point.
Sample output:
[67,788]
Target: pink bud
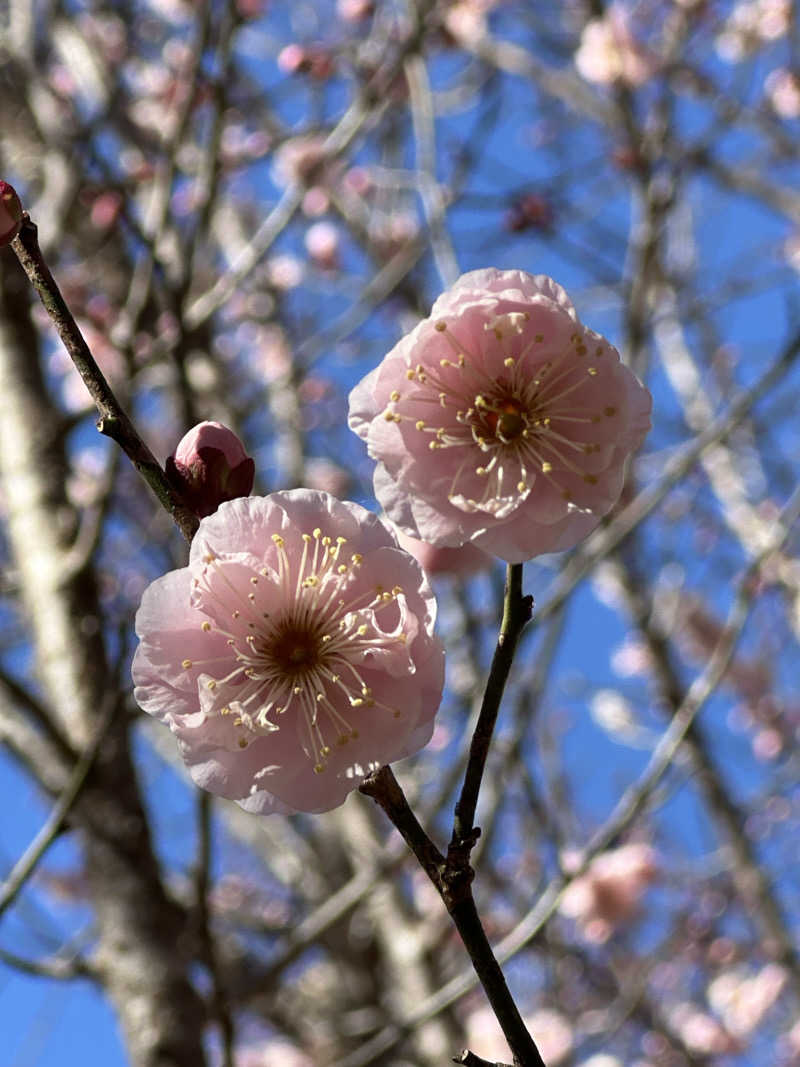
[529,212]
[10,214]
[354,10]
[292,58]
[210,465]
[298,59]
[322,244]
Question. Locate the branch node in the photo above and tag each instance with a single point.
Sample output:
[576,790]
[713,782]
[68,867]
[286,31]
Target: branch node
[109,426]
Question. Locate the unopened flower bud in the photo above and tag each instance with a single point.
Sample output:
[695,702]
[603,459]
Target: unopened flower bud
[210,465]
[10,214]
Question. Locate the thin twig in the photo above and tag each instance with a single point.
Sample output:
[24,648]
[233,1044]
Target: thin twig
[454,886]
[29,860]
[219,998]
[516,613]
[113,422]
[51,967]
[624,814]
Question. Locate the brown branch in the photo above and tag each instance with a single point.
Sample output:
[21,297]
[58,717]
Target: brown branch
[516,613]
[453,884]
[113,421]
[469,1059]
[219,998]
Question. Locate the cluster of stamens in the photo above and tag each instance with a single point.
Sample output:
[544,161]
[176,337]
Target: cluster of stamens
[519,421]
[303,659]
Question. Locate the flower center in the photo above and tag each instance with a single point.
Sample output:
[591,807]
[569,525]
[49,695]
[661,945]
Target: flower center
[532,420]
[504,419]
[293,650]
[306,659]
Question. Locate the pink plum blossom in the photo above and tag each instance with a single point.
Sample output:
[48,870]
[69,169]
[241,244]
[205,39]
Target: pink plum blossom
[105,210]
[608,52]
[782,88]
[322,244]
[701,1032]
[210,465]
[301,59]
[500,420]
[293,655]
[284,271]
[354,10]
[465,20]
[316,202]
[752,24]
[742,999]
[609,891]
[291,58]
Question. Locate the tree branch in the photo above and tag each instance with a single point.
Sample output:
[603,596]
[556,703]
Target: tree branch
[113,421]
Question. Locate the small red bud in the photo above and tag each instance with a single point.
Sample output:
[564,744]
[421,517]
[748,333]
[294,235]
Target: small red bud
[529,212]
[209,466]
[10,214]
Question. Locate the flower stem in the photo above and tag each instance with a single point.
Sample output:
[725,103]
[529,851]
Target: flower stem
[454,885]
[516,613]
[113,421]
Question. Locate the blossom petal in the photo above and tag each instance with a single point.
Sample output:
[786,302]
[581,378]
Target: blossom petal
[500,420]
[295,653]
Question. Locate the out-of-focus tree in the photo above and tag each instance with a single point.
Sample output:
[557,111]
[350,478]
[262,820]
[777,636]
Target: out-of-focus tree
[245,205]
